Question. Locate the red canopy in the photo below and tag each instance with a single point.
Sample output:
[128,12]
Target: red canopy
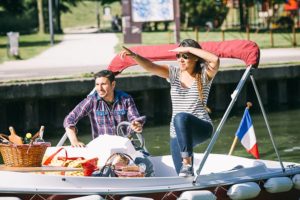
[245,50]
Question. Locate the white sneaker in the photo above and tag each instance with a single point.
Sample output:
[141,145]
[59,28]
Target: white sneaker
[186,170]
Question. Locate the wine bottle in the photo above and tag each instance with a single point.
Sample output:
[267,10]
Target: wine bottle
[14,138]
[27,138]
[41,134]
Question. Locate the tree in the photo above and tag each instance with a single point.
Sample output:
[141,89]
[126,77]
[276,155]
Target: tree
[17,15]
[13,6]
[103,2]
[41,28]
[245,4]
[58,7]
[197,13]
[62,6]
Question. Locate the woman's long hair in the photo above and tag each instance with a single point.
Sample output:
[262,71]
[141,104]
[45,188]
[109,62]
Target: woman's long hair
[198,68]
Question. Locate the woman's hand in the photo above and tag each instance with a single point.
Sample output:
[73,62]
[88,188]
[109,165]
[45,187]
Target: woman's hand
[127,52]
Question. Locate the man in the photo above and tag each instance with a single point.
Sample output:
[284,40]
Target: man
[106,108]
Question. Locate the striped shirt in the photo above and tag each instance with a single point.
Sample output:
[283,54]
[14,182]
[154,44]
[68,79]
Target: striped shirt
[187,99]
[104,118]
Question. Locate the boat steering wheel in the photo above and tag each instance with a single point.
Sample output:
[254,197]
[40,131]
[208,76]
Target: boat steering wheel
[137,139]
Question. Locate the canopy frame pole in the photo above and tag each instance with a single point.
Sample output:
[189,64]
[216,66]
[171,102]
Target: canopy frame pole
[266,121]
[234,96]
[62,140]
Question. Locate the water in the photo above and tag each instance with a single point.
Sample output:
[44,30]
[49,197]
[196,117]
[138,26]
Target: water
[285,127]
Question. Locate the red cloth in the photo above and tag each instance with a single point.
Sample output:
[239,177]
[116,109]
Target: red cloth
[291,5]
[245,50]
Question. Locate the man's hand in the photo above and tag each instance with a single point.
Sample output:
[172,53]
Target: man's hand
[77,144]
[136,126]
[71,132]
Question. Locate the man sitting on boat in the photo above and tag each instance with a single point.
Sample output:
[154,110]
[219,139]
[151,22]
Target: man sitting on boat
[106,108]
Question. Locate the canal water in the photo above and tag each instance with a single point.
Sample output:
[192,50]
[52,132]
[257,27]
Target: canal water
[285,126]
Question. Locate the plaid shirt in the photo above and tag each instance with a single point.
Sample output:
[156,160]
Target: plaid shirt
[104,119]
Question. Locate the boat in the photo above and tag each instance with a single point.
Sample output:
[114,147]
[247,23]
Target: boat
[217,176]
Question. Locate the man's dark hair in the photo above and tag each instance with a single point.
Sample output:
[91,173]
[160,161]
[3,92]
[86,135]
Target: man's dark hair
[107,74]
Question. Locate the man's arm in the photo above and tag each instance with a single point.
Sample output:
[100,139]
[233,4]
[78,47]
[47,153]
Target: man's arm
[81,110]
[71,133]
[133,116]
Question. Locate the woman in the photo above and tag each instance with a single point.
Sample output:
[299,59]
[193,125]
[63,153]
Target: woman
[190,85]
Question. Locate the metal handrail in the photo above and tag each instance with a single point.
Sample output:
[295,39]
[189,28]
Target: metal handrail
[234,96]
[119,130]
[62,140]
[266,121]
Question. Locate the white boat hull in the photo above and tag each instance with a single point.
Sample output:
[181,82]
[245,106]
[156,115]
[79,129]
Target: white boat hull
[218,172]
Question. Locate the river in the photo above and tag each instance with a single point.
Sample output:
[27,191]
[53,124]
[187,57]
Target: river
[285,126]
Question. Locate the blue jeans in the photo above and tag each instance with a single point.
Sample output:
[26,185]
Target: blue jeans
[190,131]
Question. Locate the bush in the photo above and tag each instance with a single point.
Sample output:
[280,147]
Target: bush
[18,23]
[285,22]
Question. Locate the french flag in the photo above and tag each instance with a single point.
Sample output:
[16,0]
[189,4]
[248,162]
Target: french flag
[246,135]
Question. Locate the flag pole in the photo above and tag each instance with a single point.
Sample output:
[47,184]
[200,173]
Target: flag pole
[233,145]
[249,104]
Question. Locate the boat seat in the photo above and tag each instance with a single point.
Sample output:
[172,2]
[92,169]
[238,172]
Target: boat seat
[89,197]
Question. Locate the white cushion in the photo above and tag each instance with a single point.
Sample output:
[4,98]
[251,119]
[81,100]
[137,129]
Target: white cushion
[89,197]
[198,194]
[296,181]
[278,184]
[244,191]
[135,198]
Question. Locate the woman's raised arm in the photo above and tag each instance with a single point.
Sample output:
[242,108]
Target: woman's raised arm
[159,70]
[211,59]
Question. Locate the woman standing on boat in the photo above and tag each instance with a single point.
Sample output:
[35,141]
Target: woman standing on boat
[190,86]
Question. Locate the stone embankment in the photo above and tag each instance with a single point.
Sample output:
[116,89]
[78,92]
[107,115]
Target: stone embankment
[28,105]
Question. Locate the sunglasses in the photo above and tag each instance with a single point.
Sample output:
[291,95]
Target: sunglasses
[184,56]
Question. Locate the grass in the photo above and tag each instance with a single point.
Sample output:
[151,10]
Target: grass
[263,39]
[34,44]
[84,15]
[29,45]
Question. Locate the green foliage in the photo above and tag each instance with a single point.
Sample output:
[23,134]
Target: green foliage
[21,23]
[13,6]
[65,5]
[279,1]
[199,12]
[103,2]
[22,16]
[18,15]
[84,15]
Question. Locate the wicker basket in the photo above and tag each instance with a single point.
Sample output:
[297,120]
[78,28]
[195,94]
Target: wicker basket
[24,155]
